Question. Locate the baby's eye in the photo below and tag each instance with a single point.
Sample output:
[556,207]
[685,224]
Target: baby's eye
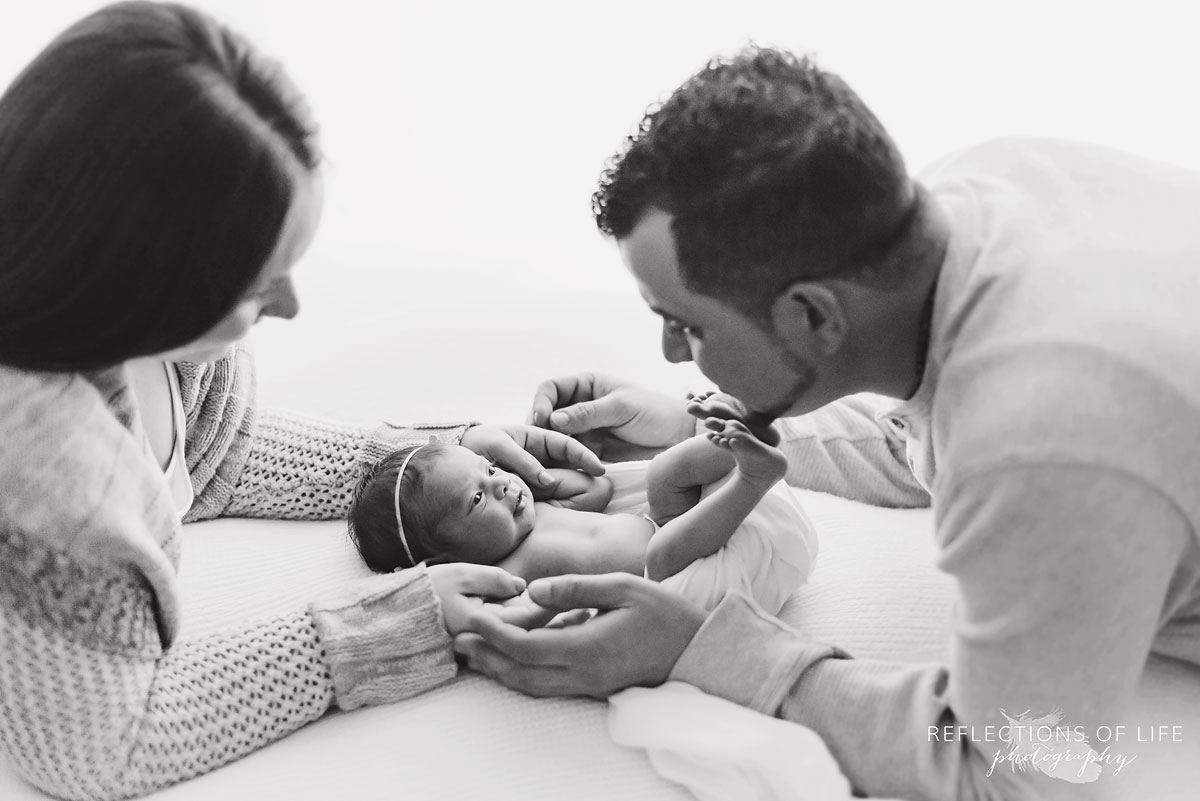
[477,498]
[491,469]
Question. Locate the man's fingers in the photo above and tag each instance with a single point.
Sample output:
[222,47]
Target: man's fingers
[605,591]
[544,399]
[538,680]
[560,391]
[609,411]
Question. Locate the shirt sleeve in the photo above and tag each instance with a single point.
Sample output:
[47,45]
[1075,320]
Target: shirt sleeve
[1062,574]
[845,450]
[250,462]
[91,706]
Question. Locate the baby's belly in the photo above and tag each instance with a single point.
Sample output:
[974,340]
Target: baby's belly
[620,544]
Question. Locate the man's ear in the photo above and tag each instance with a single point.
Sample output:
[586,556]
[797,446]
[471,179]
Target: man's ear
[810,315]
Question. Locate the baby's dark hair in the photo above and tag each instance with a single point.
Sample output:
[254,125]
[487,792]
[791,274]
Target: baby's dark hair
[372,518]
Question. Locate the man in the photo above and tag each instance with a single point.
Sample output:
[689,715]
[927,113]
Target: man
[1033,302]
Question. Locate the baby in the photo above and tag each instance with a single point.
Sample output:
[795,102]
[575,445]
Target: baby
[705,516]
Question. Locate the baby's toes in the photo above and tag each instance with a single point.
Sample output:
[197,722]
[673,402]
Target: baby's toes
[716,407]
[736,429]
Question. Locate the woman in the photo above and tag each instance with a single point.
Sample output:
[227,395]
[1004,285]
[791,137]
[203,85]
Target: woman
[158,179]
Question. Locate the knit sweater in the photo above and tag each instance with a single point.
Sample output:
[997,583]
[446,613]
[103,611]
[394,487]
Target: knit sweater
[97,699]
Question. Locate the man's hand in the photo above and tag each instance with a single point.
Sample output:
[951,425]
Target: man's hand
[635,638]
[616,419]
[524,450]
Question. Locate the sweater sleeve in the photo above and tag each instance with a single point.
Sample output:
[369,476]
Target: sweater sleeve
[843,449]
[1062,575]
[91,707]
[251,462]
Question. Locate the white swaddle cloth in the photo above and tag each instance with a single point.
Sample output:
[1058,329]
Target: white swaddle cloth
[769,555]
[718,750]
[724,752]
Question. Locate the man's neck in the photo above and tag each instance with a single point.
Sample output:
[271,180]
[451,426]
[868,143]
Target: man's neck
[897,345]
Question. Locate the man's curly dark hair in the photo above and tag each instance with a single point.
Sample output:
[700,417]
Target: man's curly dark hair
[773,171]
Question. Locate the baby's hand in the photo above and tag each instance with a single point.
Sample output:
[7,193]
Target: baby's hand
[723,406]
[757,462]
[575,490]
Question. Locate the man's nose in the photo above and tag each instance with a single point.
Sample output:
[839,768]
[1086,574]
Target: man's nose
[675,347]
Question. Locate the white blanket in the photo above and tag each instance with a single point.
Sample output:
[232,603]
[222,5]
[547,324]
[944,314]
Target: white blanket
[875,591]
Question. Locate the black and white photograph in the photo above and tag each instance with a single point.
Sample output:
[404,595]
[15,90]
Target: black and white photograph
[672,400]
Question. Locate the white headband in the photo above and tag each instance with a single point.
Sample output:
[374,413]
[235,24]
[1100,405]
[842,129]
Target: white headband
[399,524]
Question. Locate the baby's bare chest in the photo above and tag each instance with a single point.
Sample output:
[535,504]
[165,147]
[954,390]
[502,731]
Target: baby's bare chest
[568,541]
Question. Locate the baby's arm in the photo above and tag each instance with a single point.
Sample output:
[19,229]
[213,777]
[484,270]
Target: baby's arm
[578,490]
[706,527]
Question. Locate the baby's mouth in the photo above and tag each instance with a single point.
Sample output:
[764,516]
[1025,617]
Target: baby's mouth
[519,506]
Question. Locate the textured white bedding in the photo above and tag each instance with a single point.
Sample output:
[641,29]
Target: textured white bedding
[875,591]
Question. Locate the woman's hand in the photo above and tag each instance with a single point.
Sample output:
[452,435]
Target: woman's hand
[524,450]
[616,419]
[461,587]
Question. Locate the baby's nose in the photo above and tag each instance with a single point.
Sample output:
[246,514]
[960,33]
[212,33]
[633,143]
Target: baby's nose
[500,487]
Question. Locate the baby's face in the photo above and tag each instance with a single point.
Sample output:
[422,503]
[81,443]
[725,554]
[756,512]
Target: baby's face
[486,511]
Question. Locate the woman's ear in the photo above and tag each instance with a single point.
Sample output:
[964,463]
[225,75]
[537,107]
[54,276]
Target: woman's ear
[810,316]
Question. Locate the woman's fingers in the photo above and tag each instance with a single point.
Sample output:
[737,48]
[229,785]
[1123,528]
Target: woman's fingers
[511,454]
[573,617]
[526,616]
[555,448]
[486,581]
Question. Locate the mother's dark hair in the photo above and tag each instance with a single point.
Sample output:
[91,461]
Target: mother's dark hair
[147,163]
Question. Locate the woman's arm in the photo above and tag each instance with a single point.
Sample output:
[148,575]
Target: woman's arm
[92,707]
[251,462]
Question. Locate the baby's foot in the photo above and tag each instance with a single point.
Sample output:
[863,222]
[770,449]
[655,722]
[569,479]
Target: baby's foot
[724,406]
[757,461]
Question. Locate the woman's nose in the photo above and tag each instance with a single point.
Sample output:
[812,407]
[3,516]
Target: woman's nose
[280,300]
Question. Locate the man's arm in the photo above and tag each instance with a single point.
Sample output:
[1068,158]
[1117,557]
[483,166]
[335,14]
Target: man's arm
[1062,573]
[844,450]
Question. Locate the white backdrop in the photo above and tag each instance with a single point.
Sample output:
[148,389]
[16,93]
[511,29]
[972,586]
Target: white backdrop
[457,263]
